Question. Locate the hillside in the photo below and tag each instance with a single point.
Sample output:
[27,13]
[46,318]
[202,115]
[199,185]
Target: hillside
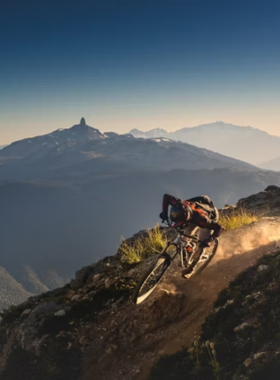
[90,328]
[242,143]
[240,337]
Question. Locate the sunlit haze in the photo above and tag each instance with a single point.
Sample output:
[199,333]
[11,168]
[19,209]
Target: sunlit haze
[138,64]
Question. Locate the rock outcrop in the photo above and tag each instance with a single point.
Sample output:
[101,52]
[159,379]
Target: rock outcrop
[265,203]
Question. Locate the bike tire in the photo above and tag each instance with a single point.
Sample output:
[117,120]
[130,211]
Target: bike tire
[161,265]
[205,264]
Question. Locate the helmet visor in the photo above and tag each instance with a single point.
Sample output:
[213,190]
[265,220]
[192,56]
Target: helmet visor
[177,214]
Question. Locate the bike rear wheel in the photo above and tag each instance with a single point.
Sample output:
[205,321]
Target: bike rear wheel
[151,278]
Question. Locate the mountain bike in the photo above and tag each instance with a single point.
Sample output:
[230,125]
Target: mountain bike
[186,248]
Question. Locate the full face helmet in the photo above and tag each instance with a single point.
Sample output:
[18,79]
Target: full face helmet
[180,213]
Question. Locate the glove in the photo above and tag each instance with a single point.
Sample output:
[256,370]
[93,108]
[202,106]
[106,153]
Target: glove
[163,216]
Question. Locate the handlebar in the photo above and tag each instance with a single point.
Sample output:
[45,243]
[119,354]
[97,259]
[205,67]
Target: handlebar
[180,231]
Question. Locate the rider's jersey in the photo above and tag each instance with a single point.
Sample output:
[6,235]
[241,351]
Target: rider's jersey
[204,213]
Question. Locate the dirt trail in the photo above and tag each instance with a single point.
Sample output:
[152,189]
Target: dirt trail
[174,313]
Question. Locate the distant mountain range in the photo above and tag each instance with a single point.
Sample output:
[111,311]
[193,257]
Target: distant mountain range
[244,143]
[272,164]
[51,155]
[66,198]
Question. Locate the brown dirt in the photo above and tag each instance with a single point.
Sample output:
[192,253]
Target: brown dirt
[129,342]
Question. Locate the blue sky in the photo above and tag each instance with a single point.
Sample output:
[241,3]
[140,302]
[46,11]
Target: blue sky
[137,63]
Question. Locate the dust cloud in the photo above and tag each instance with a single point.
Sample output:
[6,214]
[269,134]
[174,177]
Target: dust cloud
[248,238]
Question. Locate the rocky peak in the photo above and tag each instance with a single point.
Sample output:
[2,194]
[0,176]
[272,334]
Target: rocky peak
[84,131]
[83,122]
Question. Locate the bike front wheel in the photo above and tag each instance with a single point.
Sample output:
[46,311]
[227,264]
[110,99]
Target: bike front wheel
[151,278]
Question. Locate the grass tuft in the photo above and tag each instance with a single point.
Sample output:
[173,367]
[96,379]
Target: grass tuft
[237,219]
[143,247]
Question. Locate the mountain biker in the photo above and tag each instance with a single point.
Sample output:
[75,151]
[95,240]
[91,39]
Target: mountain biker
[188,214]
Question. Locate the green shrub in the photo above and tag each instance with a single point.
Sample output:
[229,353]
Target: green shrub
[237,219]
[143,247]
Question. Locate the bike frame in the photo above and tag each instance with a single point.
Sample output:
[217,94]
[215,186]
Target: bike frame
[179,244]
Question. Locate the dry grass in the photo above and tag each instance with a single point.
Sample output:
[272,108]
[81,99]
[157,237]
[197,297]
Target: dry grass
[143,247]
[237,219]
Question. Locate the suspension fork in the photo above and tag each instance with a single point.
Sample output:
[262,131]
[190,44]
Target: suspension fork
[179,250]
[176,245]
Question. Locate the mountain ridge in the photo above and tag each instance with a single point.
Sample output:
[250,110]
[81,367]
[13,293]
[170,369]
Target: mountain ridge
[38,156]
[236,141]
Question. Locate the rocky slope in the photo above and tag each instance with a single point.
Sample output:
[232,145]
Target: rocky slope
[89,328]
[240,337]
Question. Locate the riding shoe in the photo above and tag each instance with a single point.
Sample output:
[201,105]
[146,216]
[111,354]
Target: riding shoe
[186,272]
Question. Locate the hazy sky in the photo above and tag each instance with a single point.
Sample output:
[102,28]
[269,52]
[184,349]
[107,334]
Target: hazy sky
[138,63]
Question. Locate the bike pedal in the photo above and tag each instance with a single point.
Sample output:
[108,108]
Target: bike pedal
[187,276]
